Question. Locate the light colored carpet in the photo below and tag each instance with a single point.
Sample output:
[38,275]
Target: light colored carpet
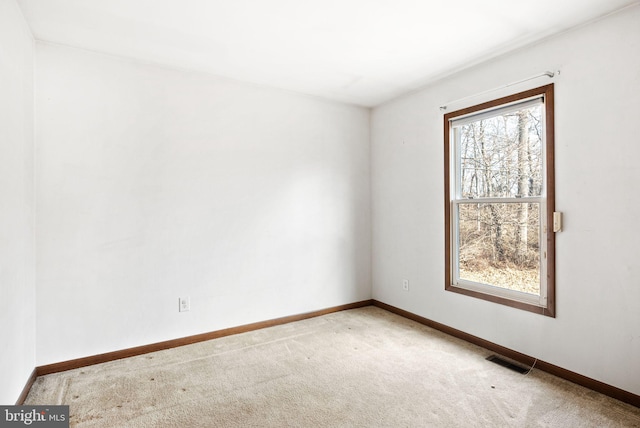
[359,368]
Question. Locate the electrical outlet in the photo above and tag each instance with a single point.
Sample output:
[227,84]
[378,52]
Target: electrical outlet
[405,284]
[184,304]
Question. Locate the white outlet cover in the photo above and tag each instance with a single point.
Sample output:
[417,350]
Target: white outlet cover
[184,304]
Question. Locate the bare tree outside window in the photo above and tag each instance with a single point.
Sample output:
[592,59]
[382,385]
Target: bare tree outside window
[499,243]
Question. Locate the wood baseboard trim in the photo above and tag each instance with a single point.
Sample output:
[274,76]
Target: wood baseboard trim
[145,349]
[27,387]
[595,385]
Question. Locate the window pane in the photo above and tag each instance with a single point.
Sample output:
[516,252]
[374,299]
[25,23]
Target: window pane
[501,156]
[499,245]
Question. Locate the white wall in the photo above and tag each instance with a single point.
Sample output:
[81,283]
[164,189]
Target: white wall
[155,183]
[597,329]
[17,286]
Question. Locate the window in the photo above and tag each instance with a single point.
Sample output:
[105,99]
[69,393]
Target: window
[499,193]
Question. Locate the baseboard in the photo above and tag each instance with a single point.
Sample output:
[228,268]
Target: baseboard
[145,349]
[595,385]
[27,387]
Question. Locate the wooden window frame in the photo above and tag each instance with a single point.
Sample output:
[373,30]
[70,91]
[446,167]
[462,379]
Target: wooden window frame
[547,92]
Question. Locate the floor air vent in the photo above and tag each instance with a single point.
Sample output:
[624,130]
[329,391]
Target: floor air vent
[504,363]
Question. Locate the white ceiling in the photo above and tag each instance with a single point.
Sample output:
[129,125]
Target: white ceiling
[363,52]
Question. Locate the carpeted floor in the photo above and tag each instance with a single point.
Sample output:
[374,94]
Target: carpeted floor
[358,368]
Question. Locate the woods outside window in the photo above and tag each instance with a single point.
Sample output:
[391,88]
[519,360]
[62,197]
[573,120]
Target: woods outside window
[499,194]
